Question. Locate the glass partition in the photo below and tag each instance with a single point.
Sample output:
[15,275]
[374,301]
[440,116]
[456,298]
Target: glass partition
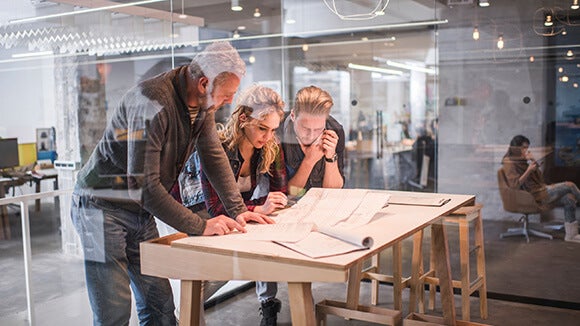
[429,93]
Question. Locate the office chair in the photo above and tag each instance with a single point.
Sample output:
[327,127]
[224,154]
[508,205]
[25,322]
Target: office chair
[520,202]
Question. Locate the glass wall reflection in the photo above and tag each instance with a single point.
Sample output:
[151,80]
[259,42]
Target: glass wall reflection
[429,95]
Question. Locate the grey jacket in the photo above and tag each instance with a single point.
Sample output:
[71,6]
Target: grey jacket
[144,147]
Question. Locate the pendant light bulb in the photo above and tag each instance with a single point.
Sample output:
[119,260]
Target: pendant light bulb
[475,33]
[500,42]
[548,22]
[183,15]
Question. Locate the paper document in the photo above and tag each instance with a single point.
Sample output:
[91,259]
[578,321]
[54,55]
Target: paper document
[346,208]
[317,245]
[346,236]
[418,200]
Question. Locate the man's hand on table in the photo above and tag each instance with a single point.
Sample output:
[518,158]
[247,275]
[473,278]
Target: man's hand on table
[222,224]
[254,217]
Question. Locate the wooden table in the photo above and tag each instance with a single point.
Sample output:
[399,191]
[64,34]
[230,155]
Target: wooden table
[222,259]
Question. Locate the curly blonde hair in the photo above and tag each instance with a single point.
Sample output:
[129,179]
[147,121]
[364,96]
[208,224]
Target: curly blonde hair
[256,102]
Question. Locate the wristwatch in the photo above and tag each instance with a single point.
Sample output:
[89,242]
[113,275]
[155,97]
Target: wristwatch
[332,159]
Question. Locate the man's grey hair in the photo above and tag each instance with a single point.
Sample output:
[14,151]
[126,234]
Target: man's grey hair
[217,58]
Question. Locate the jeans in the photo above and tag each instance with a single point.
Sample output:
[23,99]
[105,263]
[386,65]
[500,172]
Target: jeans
[564,194]
[110,236]
[266,290]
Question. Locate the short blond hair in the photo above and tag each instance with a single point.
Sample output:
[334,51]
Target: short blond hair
[312,100]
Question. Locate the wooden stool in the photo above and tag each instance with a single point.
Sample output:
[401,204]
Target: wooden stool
[399,282]
[462,217]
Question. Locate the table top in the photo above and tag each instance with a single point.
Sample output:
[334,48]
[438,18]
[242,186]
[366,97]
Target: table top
[243,259]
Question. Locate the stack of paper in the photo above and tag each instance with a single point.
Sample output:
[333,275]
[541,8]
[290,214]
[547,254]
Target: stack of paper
[320,224]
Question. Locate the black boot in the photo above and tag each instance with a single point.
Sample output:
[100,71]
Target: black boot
[269,312]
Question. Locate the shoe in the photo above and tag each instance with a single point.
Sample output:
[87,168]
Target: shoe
[572,232]
[269,312]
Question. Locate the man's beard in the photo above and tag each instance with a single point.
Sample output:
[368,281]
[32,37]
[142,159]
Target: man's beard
[206,102]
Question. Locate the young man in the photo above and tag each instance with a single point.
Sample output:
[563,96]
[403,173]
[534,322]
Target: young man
[313,145]
[134,167]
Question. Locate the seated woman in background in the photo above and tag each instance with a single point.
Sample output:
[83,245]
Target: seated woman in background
[523,172]
[257,161]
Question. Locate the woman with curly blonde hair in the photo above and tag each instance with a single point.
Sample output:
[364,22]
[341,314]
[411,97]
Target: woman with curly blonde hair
[256,158]
[249,139]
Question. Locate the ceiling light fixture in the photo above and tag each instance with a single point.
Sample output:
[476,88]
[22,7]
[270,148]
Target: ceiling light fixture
[575,85]
[548,22]
[288,17]
[252,59]
[236,6]
[404,65]
[564,79]
[78,12]
[236,34]
[410,67]
[500,42]
[569,53]
[574,5]
[375,69]
[475,33]
[379,10]
[257,13]
[305,47]
[183,15]
[32,54]
[532,59]
[483,3]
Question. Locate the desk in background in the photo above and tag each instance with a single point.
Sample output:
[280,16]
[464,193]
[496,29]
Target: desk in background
[15,181]
[225,259]
[6,183]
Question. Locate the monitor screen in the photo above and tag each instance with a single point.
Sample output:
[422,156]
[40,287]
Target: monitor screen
[8,152]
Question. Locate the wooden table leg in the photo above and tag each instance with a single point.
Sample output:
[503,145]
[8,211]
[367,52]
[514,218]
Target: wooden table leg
[301,304]
[443,270]
[376,263]
[190,303]
[353,289]
[417,291]
[397,276]
[37,201]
